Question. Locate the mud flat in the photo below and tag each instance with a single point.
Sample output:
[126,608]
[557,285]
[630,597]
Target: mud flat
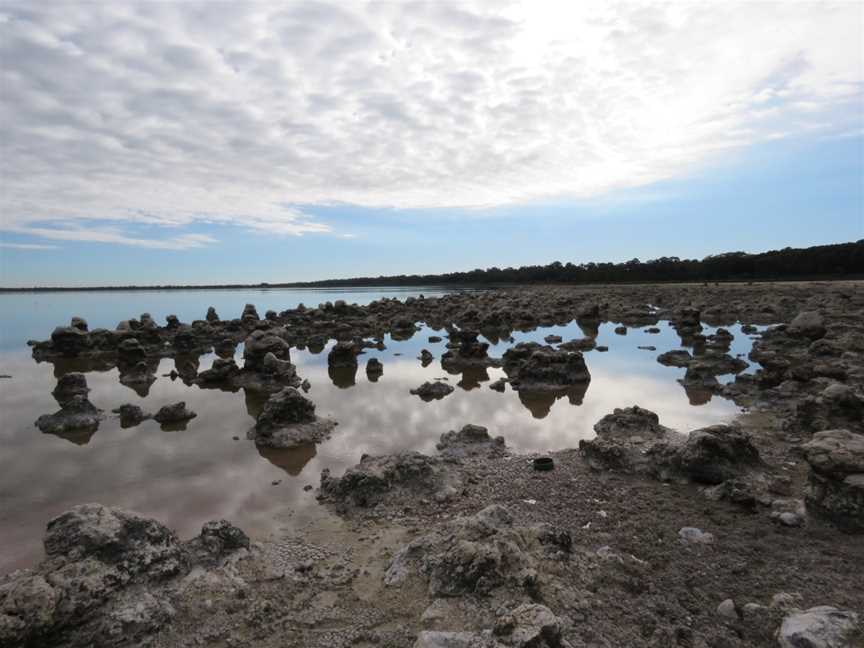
[747,533]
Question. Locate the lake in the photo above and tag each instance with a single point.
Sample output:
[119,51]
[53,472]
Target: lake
[210,470]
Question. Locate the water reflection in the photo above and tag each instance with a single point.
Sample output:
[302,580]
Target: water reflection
[185,477]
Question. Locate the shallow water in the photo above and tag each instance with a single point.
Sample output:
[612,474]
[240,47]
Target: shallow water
[187,477]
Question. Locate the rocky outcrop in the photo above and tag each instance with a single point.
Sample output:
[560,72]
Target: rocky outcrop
[676,358]
[712,455]
[836,406]
[69,386]
[77,413]
[532,367]
[470,440]
[808,324]
[623,438]
[288,420]
[477,553]
[258,345]
[104,581]
[343,355]
[836,483]
[469,352]
[403,475]
[430,391]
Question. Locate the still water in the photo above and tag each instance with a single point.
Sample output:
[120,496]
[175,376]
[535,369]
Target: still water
[187,477]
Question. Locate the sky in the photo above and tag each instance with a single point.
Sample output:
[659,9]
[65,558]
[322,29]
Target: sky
[216,142]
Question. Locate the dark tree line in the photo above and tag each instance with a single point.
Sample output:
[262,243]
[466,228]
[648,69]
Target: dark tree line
[842,260]
[823,261]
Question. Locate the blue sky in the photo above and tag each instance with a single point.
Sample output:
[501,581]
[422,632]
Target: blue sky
[182,143]
[785,193]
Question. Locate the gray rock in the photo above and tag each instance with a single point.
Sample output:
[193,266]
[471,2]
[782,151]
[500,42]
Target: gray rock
[259,344]
[77,414]
[820,627]
[692,535]
[471,439]
[530,625]
[343,354]
[532,367]
[288,420]
[835,488]
[432,390]
[131,415]
[808,324]
[716,453]
[727,610]
[174,413]
[677,358]
[68,386]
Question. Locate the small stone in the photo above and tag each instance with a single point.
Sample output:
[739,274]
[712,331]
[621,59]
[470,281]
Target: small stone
[727,609]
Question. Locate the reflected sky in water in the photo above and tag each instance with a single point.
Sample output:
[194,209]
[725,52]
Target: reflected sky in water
[186,477]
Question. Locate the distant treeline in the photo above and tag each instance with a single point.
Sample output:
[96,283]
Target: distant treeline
[823,261]
[842,260]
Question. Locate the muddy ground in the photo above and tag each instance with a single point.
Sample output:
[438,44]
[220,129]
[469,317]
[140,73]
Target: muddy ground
[410,554]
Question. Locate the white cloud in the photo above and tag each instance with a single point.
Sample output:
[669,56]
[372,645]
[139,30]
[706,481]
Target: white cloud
[113,235]
[27,246]
[188,112]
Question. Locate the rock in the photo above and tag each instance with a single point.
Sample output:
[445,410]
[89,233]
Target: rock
[629,422]
[249,316]
[70,340]
[139,378]
[174,413]
[373,478]
[343,354]
[528,626]
[579,344]
[211,315]
[130,352]
[532,367]
[716,453]
[79,323]
[429,391]
[835,453]
[374,369]
[114,536]
[837,406]
[69,386]
[223,370]
[471,439]
[499,385]
[426,358]
[77,414]
[835,488]
[259,344]
[692,535]
[727,610]
[820,627]
[477,553]
[468,352]
[677,358]
[553,339]
[808,324]
[106,579]
[621,330]
[288,420]
[131,415]
[220,537]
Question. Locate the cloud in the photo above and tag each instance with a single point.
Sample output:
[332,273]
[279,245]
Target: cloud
[27,246]
[174,114]
[112,235]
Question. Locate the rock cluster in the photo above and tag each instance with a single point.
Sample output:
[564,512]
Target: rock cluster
[288,420]
[104,580]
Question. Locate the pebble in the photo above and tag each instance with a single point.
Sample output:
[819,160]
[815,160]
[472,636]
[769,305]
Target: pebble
[727,609]
[692,535]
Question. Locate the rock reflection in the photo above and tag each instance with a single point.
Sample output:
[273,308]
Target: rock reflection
[343,377]
[291,460]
